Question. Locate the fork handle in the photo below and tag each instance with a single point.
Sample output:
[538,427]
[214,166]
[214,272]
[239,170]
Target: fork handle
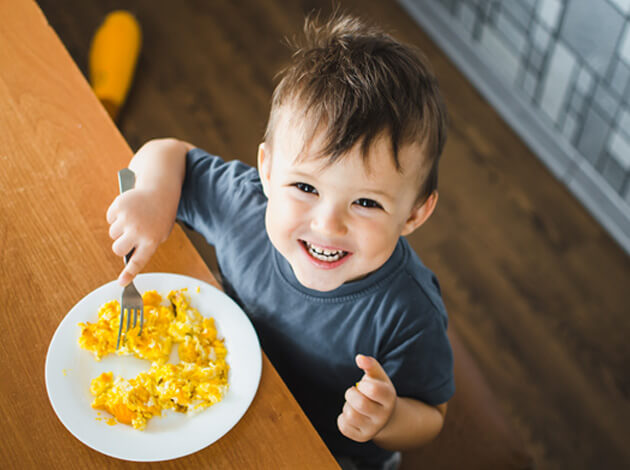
[126,181]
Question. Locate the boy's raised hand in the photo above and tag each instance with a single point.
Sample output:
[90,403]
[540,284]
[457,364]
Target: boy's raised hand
[138,219]
[369,404]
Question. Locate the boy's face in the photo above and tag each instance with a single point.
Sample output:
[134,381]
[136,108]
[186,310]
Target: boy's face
[340,222]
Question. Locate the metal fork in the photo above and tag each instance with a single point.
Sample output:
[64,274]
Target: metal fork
[131,300]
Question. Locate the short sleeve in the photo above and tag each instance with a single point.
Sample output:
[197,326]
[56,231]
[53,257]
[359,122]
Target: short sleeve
[212,192]
[421,364]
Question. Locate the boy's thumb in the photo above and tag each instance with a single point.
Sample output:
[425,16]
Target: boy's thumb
[371,367]
[124,278]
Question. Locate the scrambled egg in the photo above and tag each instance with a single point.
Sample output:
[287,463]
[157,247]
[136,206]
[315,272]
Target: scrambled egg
[198,381]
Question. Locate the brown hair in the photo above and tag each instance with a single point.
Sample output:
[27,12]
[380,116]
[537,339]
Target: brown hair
[357,82]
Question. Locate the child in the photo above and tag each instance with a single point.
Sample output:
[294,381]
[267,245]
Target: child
[311,245]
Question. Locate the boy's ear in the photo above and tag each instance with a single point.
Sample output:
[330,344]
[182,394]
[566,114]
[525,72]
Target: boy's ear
[264,166]
[420,214]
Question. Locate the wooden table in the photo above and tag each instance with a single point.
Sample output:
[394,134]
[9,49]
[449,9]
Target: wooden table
[59,154]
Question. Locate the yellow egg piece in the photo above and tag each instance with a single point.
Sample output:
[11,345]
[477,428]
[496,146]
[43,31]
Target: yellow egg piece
[198,381]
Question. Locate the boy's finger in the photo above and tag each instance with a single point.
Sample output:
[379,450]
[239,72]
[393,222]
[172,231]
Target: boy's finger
[124,278]
[347,429]
[371,367]
[354,418]
[377,391]
[362,403]
[129,272]
[141,256]
[122,245]
[116,229]
[111,211]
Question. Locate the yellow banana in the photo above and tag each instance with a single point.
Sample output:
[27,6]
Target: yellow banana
[113,56]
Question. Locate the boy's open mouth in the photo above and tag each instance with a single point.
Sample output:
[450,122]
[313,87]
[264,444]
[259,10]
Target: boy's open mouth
[323,254]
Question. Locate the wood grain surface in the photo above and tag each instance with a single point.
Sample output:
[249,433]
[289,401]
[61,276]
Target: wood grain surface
[535,287]
[59,154]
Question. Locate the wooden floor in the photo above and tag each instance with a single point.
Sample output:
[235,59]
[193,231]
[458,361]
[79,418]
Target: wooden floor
[536,289]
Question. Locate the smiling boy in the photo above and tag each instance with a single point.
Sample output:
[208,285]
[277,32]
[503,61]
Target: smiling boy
[311,245]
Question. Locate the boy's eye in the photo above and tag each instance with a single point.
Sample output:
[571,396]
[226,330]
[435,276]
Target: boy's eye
[307,188]
[368,203]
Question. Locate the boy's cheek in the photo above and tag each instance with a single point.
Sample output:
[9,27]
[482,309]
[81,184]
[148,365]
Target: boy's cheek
[289,210]
[282,220]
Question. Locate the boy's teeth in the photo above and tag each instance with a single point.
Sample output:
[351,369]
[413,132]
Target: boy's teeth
[323,254]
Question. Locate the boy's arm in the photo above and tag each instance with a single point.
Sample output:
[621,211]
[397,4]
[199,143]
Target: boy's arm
[373,411]
[161,163]
[143,217]
[412,424]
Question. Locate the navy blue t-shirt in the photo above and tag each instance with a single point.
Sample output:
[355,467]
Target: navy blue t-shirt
[395,314]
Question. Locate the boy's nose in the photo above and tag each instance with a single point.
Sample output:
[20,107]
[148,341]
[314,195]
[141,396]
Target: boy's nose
[329,222]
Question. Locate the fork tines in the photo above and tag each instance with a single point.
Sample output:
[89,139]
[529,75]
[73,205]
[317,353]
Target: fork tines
[123,329]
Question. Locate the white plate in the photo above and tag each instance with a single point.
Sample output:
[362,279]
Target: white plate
[70,369]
